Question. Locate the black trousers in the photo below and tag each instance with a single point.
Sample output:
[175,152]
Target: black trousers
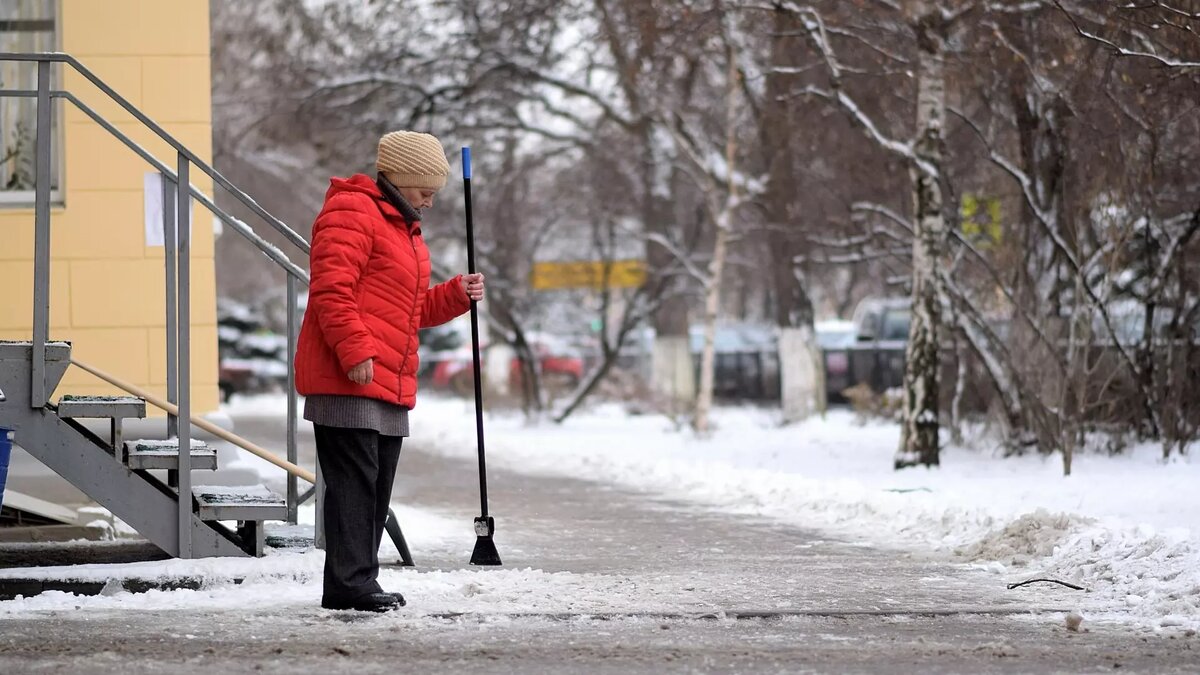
[358,466]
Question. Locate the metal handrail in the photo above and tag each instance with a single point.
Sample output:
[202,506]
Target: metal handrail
[271,251]
[177,257]
[247,200]
[229,436]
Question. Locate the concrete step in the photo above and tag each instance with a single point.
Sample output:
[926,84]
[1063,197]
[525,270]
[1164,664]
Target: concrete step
[239,502]
[164,454]
[112,407]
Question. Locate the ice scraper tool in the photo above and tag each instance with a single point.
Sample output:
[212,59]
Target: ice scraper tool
[485,552]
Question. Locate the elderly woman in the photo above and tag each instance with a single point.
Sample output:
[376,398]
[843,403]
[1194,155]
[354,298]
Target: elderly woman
[356,362]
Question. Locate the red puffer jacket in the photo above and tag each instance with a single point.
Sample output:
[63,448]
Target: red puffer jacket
[369,295]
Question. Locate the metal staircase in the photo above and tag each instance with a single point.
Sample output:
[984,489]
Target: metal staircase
[146,483]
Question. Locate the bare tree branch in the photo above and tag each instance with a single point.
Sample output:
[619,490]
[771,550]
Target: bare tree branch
[871,207]
[1122,51]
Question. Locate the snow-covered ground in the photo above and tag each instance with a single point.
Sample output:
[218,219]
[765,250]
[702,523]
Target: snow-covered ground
[1126,527]
[292,580]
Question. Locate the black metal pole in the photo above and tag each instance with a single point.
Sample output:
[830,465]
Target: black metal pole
[485,552]
[483,500]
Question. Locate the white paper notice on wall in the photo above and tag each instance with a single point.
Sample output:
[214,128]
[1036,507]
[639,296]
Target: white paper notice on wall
[153,200]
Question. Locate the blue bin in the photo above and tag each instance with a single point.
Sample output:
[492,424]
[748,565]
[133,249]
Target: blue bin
[5,453]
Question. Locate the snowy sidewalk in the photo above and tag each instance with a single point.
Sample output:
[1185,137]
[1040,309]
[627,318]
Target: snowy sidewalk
[598,577]
[1125,527]
[571,547]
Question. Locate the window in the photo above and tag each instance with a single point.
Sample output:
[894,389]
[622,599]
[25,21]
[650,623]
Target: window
[895,324]
[25,26]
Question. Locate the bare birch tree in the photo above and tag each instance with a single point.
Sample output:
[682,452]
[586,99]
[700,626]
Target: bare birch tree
[722,209]
[929,24]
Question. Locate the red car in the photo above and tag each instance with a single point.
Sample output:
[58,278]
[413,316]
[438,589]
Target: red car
[559,371]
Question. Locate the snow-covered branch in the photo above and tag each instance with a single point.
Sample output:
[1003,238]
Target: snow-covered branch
[902,149]
[1124,51]
[680,254]
[1050,227]
[890,214]
[861,257]
[1014,7]
[854,242]
[1175,10]
[1028,191]
[1173,248]
[869,44]
[609,111]
[1008,294]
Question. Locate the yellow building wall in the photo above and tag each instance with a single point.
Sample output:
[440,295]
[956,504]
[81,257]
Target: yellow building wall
[107,285]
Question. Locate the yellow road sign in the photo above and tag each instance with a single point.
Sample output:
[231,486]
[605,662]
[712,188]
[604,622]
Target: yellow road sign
[547,276]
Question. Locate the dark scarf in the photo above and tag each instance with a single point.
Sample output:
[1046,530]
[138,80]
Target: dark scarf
[393,196]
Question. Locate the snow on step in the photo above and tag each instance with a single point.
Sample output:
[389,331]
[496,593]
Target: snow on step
[164,454]
[118,407]
[239,502]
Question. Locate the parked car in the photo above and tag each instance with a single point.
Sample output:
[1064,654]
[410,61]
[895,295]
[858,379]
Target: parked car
[835,338]
[745,360]
[835,334]
[562,367]
[251,376]
[881,335]
[253,358]
[867,349]
[882,320]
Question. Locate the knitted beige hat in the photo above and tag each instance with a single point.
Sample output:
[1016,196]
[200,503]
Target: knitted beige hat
[412,159]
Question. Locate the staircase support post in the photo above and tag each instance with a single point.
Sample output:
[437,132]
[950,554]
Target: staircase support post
[293,488]
[169,247]
[184,376]
[38,396]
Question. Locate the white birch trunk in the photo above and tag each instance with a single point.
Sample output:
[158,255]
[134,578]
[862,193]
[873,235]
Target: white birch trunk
[712,300]
[496,369]
[919,437]
[801,374]
[716,267]
[672,373]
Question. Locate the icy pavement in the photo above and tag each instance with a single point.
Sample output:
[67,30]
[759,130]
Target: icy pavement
[573,546]
[597,578]
[307,641]
[1126,527]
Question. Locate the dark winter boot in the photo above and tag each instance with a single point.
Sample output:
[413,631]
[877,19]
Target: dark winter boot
[371,602]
